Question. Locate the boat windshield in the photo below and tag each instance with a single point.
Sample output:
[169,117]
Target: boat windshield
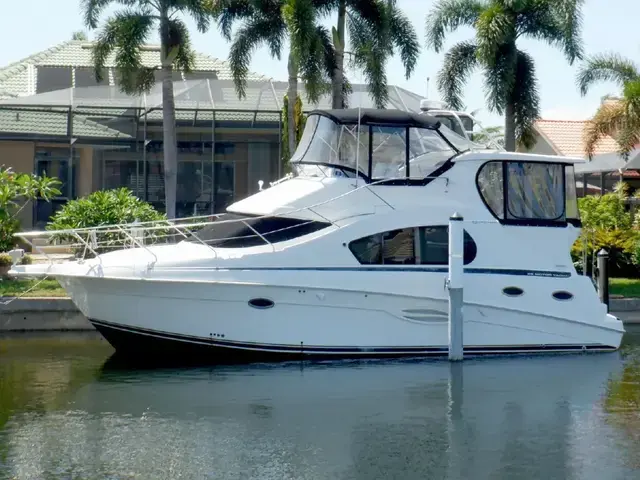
[373,152]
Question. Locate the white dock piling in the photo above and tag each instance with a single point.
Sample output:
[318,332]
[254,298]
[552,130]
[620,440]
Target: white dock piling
[455,286]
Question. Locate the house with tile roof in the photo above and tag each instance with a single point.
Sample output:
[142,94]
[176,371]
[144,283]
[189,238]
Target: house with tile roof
[566,138]
[56,119]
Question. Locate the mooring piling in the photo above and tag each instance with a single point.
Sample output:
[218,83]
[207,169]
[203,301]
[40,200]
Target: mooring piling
[455,287]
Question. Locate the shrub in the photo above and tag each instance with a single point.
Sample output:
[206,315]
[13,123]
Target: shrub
[102,208]
[16,189]
[5,260]
[607,224]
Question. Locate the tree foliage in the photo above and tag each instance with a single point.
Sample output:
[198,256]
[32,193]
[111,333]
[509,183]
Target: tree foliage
[124,35]
[103,208]
[378,30]
[509,73]
[617,118]
[271,23]
[16,190]
[607,224]
[300,122]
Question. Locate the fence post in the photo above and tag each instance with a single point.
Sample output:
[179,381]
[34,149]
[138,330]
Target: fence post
[603,276]
[455,286]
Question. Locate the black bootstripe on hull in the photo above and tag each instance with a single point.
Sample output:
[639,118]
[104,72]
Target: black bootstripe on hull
[139,341]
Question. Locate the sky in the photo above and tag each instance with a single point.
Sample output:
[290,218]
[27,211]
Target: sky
[30,26]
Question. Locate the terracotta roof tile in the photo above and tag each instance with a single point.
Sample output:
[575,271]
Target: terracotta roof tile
[566,136]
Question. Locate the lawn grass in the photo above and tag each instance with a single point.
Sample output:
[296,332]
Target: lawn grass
[627,287]
[47,288]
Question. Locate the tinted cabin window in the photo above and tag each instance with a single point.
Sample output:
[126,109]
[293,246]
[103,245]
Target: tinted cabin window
[534,191]
[410,246]
[434,246]
[238,234]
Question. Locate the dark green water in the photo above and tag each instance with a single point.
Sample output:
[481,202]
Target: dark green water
[65,413]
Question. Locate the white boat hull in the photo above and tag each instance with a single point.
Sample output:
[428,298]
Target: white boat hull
[150,316]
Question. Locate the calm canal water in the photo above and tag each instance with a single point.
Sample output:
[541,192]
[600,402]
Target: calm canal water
[66,412]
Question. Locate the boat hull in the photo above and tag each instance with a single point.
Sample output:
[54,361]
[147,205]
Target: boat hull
[216,320]
[150,345]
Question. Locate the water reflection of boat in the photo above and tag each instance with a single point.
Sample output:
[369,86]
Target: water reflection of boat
[518,418]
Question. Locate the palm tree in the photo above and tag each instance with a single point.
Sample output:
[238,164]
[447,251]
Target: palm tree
[270,22]
[618,118]
[510,81]
[377,29]
[124,33]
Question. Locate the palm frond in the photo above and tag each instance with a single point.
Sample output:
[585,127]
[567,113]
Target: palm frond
[370,53]
[606,67]
[608,121]
[494,29]
[449,15]
[619,120]
[178,42]
[628,138]
[125,33]
[569,17]
[370,12]
[91,9]
[500,78]
[253,33]
[199,10]
[405,38]
[300,19]
[458,63]
[317,66]
[526,99]
[226,12]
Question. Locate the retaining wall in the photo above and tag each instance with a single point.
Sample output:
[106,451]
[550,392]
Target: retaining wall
[35,314]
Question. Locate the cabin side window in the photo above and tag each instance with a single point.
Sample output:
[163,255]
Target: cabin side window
[410,246]
[517,192]
[242,231]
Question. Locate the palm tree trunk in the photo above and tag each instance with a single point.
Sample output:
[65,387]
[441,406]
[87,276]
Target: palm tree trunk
[510,127]
[510,108]
[337,79]
[292,96]
[170,147]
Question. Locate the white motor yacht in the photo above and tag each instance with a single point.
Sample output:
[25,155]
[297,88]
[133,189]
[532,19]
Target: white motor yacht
[347,256]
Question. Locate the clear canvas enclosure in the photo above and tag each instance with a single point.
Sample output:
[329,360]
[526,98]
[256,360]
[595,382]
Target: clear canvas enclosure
[374,149]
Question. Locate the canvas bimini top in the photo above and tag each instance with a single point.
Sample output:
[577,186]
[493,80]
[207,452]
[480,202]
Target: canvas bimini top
[372,116]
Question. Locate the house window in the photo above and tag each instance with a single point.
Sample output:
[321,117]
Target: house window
[410,246]
[49,79]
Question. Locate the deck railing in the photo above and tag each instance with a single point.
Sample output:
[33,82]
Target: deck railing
[90,242]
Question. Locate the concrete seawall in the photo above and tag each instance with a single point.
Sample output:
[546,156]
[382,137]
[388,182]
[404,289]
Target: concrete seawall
[38,314]
[60,314]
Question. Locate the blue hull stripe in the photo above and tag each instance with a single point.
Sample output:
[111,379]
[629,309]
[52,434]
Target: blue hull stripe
[401,268]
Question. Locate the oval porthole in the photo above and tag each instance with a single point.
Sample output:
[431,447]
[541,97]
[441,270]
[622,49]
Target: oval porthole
[261,303]
[512,291]
[562,295]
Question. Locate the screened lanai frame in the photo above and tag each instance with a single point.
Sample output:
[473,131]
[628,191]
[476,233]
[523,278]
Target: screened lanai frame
[104,118]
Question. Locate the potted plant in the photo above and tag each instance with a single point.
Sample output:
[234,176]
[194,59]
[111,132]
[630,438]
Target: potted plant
[5,264]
